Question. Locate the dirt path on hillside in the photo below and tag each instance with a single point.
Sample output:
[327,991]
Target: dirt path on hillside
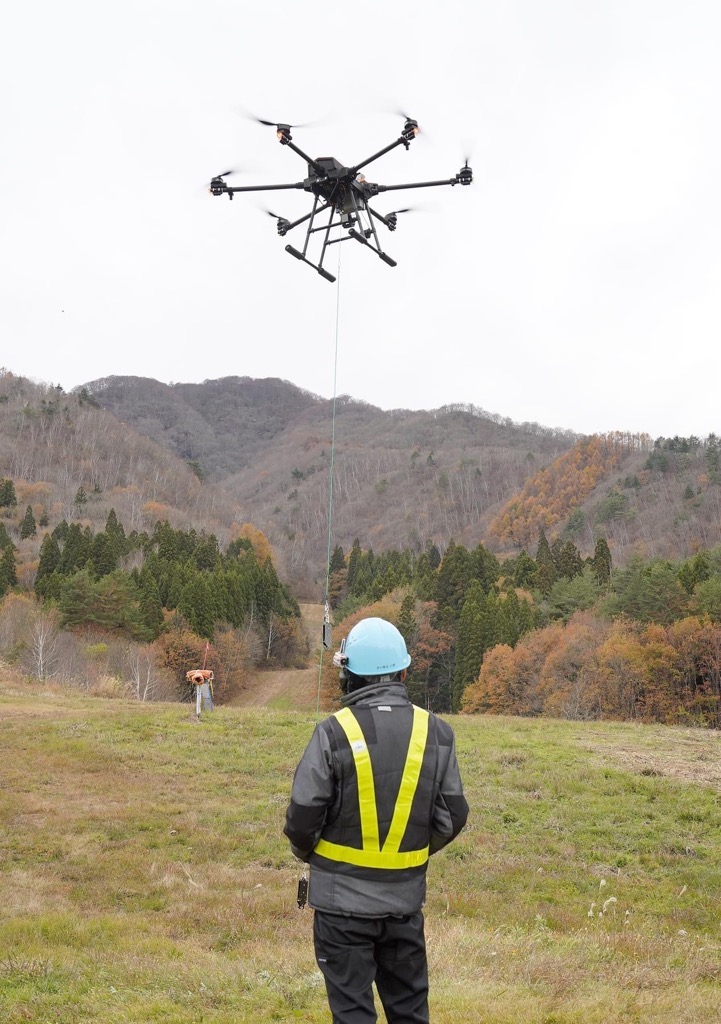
[287,687]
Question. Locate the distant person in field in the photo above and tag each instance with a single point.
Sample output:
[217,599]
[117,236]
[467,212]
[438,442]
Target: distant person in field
[376,793]
[202,680]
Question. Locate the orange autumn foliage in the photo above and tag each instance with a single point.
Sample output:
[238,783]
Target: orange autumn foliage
[259,541]
[551,494]
[606,669]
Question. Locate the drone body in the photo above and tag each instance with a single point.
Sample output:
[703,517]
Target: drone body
[343,193]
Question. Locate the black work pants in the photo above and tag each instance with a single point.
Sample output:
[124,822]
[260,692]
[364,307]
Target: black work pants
[353,952]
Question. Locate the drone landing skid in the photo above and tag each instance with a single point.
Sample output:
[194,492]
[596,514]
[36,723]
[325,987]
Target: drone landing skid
[302,258]
[336,219]
[359,238]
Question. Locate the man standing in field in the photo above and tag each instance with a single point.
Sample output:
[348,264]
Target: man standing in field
[376,793]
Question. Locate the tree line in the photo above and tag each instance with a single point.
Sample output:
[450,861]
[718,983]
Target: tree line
[549,633]
[171,594]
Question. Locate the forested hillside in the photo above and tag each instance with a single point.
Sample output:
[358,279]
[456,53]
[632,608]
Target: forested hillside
[71,459]
[401,477]
[528,568]
[550,634]
[407,479]
[119,568]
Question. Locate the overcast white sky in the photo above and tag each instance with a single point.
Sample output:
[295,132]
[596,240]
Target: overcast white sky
[576,283]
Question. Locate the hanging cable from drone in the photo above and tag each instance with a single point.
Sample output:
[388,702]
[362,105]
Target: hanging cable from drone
[344,194]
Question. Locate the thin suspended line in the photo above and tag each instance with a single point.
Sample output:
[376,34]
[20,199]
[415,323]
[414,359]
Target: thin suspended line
[326,602]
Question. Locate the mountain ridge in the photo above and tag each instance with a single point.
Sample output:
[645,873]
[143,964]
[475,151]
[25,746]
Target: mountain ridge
[270,450]
[237,449]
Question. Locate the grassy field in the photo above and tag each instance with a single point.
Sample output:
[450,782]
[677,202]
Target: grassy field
[144,876]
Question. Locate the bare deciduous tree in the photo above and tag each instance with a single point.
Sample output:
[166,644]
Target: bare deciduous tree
[147,680]
[43,644]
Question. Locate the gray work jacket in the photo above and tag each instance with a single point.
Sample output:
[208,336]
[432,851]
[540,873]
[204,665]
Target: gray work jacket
[324,804]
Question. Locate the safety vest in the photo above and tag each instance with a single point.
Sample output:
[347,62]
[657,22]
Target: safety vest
[372,855]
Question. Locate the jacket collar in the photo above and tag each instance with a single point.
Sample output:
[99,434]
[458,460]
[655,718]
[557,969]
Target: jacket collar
[377,693]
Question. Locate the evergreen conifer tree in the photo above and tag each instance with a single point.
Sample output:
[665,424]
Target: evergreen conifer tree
[8,498]
[8,571]
[49,561]
[60,533]
[546,575]
[151,610]
[601,562]
[337,559]
[103,558]
[434,557]
[76,551]
[453,579]
[28,526]
[571,561]
[115,531]
[470,646]
[557,556]
[407,623]
[487,568]
[353,558]
[712,456]
[525,571]
[196,605]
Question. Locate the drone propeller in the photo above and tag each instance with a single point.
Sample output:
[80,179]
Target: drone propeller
[221,177]
[273,124]
[411,124]
[282,222]
[391,219]
[217,185]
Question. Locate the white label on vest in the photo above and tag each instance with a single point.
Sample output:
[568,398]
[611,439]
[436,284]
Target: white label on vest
[383,708]
[358,746]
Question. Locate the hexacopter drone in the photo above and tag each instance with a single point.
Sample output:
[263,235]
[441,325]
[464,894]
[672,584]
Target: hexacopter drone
[341,191]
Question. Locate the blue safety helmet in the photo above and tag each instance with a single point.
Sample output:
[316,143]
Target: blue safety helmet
[375,648]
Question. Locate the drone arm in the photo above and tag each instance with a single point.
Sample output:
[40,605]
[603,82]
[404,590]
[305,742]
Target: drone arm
[259,188]
[364,163]
[378,216]
[301,220]
[309,160]
[417,184]
[464,177]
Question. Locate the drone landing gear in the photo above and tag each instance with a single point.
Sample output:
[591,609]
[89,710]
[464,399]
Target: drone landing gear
[360,238]
[338,217]
[302,258]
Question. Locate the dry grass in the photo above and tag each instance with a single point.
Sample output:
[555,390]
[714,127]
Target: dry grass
[693,755]
[145,877]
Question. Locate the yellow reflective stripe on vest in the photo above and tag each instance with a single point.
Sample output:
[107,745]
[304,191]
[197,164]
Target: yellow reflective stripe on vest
[371,858]
[371,855]
[409,782]
[364,771]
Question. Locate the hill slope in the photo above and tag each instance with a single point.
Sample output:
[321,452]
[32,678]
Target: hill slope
[404,478]
[243,450]
[401,477]
[69,459]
